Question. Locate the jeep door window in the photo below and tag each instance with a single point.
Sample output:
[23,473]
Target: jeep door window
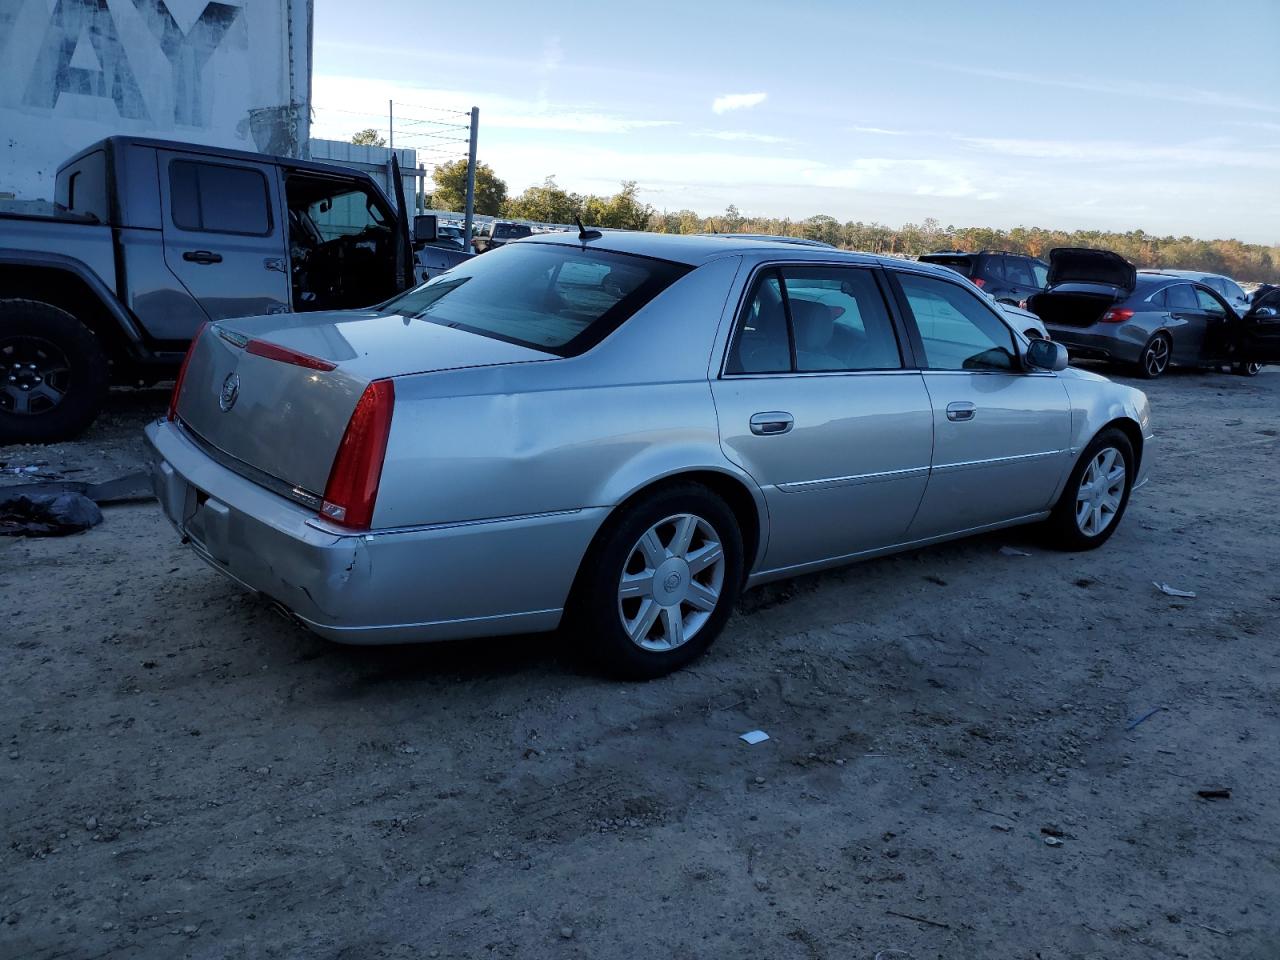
[216,198]
[959,332]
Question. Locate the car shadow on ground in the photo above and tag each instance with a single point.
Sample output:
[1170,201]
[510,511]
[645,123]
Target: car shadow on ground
[548,656]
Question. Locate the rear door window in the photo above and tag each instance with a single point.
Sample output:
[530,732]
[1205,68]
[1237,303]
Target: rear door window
[216,198]
[1181,296]
[814,320]
[1041,272]
[958,330]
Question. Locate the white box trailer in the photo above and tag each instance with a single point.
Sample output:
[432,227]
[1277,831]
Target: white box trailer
[235,75]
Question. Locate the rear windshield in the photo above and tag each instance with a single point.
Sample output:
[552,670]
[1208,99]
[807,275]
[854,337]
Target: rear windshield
[960,264]
[510,231]
[560,299]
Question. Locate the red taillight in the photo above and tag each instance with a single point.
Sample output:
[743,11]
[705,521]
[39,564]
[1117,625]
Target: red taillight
[182,373]
[979,282]
[1116,315]
[272,351]
[353,481]
[1022,304]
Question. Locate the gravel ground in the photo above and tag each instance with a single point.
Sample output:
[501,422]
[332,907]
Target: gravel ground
[953,769]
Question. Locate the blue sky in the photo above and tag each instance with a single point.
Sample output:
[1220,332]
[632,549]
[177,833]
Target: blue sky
[1163,116]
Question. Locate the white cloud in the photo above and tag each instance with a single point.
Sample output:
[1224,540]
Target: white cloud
[1119,151]
[743,135]
[737,101]
[342,106]
[1122,87]
[881,131]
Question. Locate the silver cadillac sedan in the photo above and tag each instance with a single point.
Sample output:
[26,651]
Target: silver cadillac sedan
[619,432]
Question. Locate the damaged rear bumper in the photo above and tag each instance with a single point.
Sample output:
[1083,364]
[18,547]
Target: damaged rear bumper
[424,583]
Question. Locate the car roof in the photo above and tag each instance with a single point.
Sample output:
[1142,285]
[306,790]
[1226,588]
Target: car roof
[697,249]
[1188,274]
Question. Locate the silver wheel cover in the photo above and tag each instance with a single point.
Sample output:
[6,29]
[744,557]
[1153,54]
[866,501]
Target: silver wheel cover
[671,582]
[1101,491]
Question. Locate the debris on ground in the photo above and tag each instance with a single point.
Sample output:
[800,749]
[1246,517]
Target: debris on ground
[754,736]
[1014,552]
[1215,794]
[1146,716]
[46,515]
[908,916]
[1172,591]
[1053,841]
[131,488]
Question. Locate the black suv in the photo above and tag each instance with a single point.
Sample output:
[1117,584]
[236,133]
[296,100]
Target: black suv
[1008,277]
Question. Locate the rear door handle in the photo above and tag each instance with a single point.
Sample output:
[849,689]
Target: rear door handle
[771,423]
[961,410]
[202,256]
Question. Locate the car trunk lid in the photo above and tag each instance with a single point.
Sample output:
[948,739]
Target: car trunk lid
[1073,308]
[274,394]
[1086,265]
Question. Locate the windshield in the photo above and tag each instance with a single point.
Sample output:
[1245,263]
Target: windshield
[551,297]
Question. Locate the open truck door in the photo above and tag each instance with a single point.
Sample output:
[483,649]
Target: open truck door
[404,242]
[1258,338]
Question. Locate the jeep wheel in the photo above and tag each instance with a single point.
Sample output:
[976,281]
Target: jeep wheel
[53,373]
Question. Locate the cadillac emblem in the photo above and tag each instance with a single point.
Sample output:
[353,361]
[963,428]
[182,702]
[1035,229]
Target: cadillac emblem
[230,391]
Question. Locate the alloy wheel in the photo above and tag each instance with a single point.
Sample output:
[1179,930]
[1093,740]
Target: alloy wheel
[34,375]
[1156,357]
[671,582]
[1101,491]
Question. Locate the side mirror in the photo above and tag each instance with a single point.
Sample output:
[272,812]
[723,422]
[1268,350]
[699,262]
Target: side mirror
[424,228]
[1046,355]
[1267,313]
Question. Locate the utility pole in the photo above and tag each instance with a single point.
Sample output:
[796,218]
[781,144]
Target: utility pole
[471,180]
[391,124]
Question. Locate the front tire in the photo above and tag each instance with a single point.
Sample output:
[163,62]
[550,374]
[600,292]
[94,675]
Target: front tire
[1246,369]
[53,373]
[1096,494]
[658,583]
[1154,359]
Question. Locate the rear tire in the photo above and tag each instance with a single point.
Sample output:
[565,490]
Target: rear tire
[1246,369]
[1154,359]
[1095,497]
[646,601]
[53,373]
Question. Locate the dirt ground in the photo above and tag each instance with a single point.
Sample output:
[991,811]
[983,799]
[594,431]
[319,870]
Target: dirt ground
[953,769]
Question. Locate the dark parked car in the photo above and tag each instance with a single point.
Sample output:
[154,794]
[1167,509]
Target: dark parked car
[491,235]
[1103,309]
[1236,298]
[1007,277]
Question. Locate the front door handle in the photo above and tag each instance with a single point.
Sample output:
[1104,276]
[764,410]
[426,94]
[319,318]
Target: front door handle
[771,423]
[202,256]
[961,410]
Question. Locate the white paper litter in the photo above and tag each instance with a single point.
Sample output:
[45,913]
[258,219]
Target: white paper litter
[754,736]
[1165,588]
[1014,552]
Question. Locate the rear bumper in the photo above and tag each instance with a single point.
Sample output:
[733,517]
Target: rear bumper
[1099,341]
[441,582]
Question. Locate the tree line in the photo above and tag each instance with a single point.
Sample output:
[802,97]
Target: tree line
[550,203]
